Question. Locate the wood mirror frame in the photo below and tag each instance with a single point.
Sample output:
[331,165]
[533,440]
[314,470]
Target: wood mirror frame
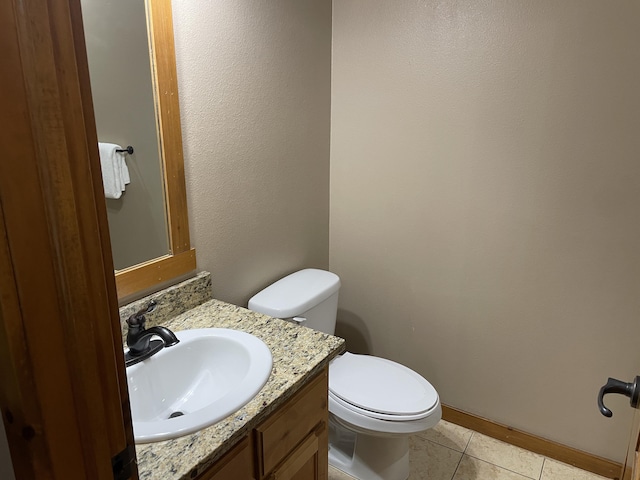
[181,258]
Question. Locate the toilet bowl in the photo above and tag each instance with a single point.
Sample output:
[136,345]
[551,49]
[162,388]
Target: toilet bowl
[374,403]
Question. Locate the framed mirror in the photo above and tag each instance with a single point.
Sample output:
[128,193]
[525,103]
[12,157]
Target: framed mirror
[135,90]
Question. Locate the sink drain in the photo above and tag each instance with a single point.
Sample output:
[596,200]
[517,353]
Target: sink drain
[176,414]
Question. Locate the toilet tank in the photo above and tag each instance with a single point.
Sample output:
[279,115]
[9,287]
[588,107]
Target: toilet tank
[308,297]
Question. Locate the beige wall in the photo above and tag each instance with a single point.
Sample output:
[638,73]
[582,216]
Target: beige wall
[118,52]
[485,202]
[483,187]
[255,104]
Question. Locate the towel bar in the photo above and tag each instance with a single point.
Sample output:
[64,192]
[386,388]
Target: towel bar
[128,150]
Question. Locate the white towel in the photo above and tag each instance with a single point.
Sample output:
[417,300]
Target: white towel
[115,174]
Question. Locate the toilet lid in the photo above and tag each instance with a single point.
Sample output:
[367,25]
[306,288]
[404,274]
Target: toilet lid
[380,385]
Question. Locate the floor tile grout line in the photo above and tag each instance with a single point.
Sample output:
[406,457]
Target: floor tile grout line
[540,476]
[465,449]
[473,433]
[448,448]
[507,444]
[457,466]
[468,442]
[436,442]
[504,468]
[544,460]
[433,442]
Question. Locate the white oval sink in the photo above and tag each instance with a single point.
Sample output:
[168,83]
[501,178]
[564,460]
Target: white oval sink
[210,374]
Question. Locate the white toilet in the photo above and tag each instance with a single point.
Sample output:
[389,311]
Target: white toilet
[374,403]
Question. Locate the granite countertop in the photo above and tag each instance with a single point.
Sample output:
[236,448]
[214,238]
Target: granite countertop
[298,354]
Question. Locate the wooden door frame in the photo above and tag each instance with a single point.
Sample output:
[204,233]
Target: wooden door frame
[64,396]
[631,469]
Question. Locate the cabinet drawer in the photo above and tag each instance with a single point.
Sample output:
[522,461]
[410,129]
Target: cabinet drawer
[301,462]
[280,434]
[237,464]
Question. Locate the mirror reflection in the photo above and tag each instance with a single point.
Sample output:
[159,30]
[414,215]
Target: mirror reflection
[124,105]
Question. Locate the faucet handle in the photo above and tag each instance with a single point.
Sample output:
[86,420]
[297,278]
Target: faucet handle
[138,319]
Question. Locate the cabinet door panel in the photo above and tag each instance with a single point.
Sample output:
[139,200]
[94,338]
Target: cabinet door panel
[237,464]
[283,432]
[308,471]
[301,463]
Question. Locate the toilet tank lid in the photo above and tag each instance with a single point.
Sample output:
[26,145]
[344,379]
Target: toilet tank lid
[295,293]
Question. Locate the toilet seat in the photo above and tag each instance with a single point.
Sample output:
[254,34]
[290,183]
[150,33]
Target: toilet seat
[377,415]
[380,389]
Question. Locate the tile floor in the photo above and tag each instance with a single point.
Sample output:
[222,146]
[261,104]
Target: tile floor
[451,452]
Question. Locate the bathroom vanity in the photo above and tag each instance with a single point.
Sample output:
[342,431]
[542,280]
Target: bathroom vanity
[292,443]
[282,433]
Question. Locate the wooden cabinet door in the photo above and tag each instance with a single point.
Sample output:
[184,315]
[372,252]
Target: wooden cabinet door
[237,464]
[293,442]
[301,464]
[309,461]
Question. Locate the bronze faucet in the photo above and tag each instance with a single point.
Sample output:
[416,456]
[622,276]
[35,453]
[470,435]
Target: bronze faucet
[139,340]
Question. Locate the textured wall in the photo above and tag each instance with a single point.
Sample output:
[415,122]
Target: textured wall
[118,52]
[255,105]
[485,190]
